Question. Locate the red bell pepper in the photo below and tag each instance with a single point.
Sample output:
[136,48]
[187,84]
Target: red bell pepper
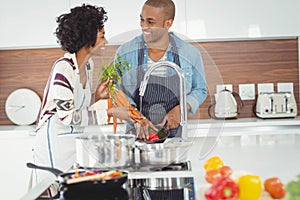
[153,136]
[223,188]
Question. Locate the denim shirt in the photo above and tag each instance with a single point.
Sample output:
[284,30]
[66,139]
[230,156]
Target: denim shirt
[190,62]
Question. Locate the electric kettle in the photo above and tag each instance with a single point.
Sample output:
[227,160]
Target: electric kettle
[226,105]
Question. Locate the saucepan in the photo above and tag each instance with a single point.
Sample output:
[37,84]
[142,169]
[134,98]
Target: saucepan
[109,150]
[87,179]
[173,150]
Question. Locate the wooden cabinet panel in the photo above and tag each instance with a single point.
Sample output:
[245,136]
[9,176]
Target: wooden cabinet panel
[255,61]
[226,62]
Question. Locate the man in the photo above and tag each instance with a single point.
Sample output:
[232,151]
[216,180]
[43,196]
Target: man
[160,103]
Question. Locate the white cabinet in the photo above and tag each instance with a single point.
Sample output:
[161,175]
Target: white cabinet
[124,18]
[30,23]
[241,19]
[15,151]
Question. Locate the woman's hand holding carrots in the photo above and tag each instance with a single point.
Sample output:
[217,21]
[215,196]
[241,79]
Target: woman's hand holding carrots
[102,91]
[125,113]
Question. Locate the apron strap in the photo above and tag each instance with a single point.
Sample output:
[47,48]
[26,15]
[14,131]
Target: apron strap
[141,52]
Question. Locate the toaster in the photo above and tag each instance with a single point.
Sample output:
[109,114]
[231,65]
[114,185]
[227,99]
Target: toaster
[276,105]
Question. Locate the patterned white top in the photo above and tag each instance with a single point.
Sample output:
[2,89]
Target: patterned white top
[65,96]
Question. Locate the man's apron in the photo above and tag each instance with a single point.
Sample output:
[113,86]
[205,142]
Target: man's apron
[162,93]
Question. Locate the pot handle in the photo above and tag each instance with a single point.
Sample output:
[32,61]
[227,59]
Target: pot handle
[54,171]
[236,95]
[210,111]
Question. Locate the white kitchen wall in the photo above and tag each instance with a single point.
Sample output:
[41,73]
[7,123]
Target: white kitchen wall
[31,23]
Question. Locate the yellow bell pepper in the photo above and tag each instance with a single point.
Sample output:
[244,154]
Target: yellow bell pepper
[214,162]
[250,187]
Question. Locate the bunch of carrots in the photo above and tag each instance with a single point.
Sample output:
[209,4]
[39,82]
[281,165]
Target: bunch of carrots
[116,97]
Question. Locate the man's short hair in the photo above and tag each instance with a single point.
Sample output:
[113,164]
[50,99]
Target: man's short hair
[167,5]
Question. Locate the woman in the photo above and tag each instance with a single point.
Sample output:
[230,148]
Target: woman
[68,95]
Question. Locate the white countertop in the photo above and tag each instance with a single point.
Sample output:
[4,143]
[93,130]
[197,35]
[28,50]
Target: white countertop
[244,122]
[16,128]
[266,156]
[266,147]
[208,127]
[243,126]
[200,123]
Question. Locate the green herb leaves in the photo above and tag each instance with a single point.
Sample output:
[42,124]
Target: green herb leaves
[113,72]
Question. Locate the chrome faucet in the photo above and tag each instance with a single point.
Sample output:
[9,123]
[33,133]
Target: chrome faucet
[183,112]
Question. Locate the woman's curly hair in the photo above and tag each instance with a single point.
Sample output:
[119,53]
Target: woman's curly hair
[80,27]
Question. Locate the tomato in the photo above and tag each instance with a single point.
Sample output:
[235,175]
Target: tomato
[212,175]
[153,136]
[274,187]
[225,171]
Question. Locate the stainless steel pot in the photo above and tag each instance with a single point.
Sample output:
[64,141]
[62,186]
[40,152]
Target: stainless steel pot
[109,150]
[173,150]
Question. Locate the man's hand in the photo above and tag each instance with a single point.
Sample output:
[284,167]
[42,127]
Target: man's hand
[142,129]
[172,119]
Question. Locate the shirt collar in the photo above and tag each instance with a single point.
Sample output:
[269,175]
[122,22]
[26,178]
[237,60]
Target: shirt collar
[72,56]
